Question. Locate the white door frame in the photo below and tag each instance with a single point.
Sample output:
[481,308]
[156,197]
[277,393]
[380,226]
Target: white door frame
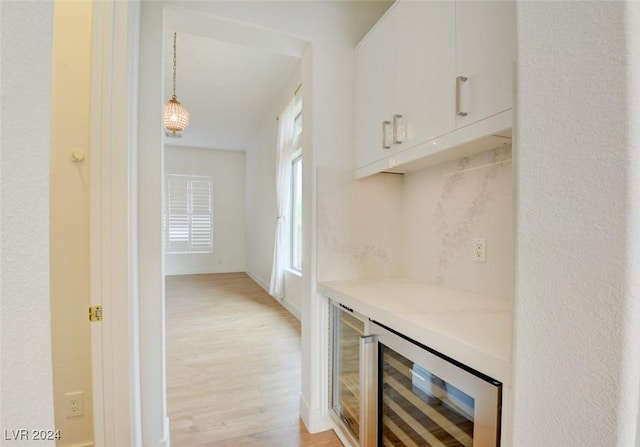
[115,359]
[126,264]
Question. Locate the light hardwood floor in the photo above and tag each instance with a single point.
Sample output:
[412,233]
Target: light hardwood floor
[233,366]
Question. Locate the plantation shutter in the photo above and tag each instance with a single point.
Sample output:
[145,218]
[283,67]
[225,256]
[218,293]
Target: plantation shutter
[200,214]
[188,214]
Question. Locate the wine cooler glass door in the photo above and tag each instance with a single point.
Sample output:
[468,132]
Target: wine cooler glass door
[419,408]
[348,331]
[425,400]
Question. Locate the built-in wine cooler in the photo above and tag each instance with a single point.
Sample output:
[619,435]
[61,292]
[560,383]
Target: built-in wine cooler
[391,391]
[427,399]
[353,396]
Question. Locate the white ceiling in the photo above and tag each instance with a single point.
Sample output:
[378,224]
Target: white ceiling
[234,58]
[227,88]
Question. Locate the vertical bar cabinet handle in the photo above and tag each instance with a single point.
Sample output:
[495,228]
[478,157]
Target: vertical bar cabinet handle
[461,96]
[385,144]
[396,119]
[368,391]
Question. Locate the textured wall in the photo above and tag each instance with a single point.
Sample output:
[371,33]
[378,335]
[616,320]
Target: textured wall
[70,109]
[575,358]
[632,376]
[27,394]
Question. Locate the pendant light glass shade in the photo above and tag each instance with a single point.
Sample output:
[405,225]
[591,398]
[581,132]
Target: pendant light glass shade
[176,117]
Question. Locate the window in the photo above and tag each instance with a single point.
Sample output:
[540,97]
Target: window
[188,214]
[296,213]
[287,247]
[296,189]
[297,123]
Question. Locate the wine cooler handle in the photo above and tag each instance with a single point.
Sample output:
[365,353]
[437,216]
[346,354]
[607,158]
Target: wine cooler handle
[368,391]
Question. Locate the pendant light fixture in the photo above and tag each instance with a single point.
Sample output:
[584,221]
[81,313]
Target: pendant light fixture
[176,117]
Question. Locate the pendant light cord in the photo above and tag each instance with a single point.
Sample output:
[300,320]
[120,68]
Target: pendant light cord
[174,65]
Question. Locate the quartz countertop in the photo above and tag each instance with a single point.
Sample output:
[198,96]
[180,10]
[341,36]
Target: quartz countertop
[471,328]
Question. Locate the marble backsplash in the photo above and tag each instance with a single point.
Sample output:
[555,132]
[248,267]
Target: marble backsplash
[445,207]
[358,225]
[421,225]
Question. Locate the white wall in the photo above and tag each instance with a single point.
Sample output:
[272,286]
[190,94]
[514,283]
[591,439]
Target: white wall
[261,209]
[69,228]
[26,382]
[155,422]
[227,171]
[261,201]
[577,319]
[329,117]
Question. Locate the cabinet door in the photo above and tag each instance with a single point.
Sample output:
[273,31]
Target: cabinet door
[375,81]
[425,69]
[485,55]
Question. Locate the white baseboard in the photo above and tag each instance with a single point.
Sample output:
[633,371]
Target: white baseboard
[258,280]
[313,418]
[292,308]
[166,436]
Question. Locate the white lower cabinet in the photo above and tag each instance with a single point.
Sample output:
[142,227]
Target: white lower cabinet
[428,70]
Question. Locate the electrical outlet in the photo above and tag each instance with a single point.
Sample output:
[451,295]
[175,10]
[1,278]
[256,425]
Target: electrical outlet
[479,250]
[75,404]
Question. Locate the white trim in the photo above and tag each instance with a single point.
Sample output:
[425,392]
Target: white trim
[113,253]
[153,390]
[292,308]
[166,438]
[315,419]
[258,281]
[95,222]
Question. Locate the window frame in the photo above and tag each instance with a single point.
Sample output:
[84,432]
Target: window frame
[194,219]
[296,157]
[293,243]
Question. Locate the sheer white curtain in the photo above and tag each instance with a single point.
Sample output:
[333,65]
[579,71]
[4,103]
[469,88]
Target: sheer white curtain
[283,194]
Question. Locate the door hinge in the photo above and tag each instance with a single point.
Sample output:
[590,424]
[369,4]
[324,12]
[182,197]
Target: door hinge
[95,313]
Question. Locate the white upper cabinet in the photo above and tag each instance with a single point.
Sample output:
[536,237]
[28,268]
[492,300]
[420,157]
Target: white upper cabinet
[375,82]
[433,75]
[403,85]
[485,56]
[425,68]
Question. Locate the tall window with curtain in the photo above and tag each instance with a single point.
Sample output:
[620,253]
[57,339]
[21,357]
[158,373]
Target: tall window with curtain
[287,252]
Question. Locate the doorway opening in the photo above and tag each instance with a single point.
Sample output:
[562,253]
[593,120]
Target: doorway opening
[233,352]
